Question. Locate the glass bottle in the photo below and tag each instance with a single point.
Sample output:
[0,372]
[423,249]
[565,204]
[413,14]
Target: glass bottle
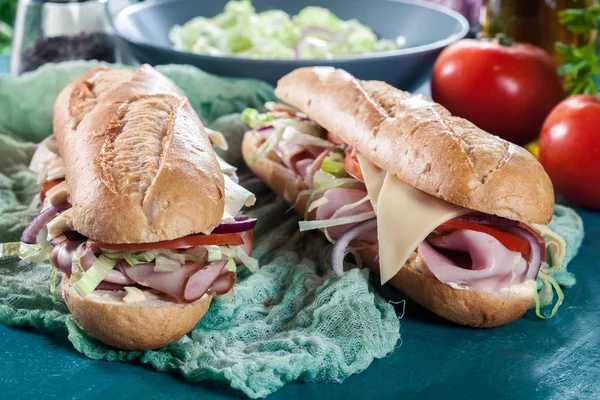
[60,30]
[532,21]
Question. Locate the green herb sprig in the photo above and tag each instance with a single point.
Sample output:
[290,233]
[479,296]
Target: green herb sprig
[8,9]
[581,64]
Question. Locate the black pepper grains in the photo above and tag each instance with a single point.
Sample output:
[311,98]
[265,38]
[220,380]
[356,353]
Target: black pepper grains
[85,46]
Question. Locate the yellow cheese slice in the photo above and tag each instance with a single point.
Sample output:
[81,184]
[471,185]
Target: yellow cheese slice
[556,245]
[376,176]
[405,216]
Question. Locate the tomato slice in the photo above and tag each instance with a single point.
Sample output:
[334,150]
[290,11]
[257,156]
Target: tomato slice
[511,242]
[334,139]
[47,186]
[184,242]
[288,112]
[540,239]
[352,167]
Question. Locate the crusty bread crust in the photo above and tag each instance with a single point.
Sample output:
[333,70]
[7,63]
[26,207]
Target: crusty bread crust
[140,167]
[146,325]
[422,144]
[466,307]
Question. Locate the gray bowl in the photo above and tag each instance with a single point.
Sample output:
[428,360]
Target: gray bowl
[427,27]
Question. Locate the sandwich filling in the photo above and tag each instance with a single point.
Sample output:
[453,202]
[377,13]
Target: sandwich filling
[358,205]
[183,269]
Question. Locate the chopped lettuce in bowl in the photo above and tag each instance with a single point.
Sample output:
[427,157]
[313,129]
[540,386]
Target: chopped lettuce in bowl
[314,33]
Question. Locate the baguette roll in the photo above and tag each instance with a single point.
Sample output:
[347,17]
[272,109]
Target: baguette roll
[422,144]
[131,190]
[140,167]
[422,170]
[144,325]
[466,307]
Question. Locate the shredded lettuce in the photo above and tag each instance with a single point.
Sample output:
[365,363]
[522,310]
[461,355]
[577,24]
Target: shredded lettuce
[93,276]
[342,209]
[134,259]
[324,181]
[240,31]
[54,280]
[236,197]
[303,136]
[35,252]
[334,163]
[214,253]
[317,203]
[254,119]
[10,249]
[327,223]
[196,254]
[249,262]
[265,148]
[294,128]
[230,266]
[234,252]
[548,283]
[165,264]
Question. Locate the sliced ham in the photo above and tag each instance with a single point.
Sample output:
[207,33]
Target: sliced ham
[473,259]
[224,283]
[109,286]
[201,280]
[190,282]
[303,167]
[337,198]
[314,167]
[295,146]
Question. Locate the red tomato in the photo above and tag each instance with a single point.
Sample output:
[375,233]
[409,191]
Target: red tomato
[248,239]
[509,241]
[507,91]
[184,242]
[570,149]
[47,186]
[352,167]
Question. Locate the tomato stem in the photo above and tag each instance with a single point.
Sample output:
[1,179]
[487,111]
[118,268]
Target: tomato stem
[504,40]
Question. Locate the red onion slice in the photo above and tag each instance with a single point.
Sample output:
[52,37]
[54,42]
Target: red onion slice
[62,256]
[536,253]
[339,249]
[110,286]
[312,30]
[30,233]
[237,226]
[55,241]
[486,219]
[241,217]
[264,128]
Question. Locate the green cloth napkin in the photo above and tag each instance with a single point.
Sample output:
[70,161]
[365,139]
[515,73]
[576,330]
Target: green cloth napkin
[291,320]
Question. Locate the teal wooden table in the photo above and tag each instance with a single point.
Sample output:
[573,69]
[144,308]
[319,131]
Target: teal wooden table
[529,359]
